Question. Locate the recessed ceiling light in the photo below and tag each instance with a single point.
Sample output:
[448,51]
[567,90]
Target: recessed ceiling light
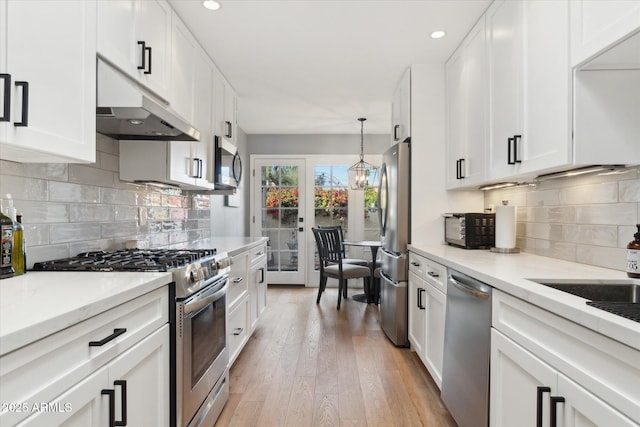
[211,4]
[438,34]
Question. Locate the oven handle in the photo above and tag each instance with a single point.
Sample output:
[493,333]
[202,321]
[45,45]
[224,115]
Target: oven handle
[205,298]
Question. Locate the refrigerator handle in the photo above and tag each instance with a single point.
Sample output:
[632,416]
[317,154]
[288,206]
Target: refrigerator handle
[383,190]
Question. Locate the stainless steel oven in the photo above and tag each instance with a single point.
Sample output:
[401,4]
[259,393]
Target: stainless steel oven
[202,358]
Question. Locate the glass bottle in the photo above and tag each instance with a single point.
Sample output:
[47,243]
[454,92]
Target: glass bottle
[6,236]
[19,254]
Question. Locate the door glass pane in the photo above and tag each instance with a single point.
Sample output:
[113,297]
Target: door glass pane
[280,213]
[331,199]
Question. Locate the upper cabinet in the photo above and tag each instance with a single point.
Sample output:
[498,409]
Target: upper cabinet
[401,110]
[597,25]
[47,105]
[225,101]
[135,36]
[529,87]
[466,111]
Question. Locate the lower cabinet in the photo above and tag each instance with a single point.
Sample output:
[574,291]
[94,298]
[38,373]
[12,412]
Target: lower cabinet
[133,390]
[110,367]
[247,297]
[547,371]
[427,312]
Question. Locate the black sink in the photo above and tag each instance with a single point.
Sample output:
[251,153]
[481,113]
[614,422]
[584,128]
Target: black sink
[622,299]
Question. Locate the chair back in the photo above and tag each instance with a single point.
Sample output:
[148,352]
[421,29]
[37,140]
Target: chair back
[329,245]
[339,228]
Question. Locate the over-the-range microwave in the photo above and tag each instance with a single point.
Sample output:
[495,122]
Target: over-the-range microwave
[227,164]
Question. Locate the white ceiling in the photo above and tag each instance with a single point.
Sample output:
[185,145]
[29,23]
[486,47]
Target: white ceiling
[315,66]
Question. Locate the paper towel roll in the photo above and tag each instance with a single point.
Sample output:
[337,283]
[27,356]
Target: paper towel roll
[505,227]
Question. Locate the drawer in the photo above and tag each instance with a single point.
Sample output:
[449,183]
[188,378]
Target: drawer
[238,329]
[431,271]
[39,371]
[238,279]
[258,253]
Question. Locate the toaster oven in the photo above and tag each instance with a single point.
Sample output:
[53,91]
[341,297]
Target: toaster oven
[470,230]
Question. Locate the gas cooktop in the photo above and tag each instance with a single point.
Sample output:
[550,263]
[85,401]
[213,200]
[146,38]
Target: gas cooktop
[127,260]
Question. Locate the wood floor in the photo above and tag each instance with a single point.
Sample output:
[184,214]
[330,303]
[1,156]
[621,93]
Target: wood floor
[311,365]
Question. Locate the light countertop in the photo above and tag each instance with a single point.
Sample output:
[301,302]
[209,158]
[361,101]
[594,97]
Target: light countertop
[511,273]
[232,245]
[41,303]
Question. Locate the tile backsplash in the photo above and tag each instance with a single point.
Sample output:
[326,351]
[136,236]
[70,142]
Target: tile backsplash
[72,208]
[586,219]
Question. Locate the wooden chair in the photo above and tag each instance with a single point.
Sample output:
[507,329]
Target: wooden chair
[345,260]
[331,264]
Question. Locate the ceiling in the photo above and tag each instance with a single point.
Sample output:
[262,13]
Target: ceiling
[315,66]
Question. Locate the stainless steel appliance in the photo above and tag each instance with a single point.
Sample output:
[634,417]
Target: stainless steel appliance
[470,230]
[467,338]
[199,365]
[227,164]
[394,216]
[125,110]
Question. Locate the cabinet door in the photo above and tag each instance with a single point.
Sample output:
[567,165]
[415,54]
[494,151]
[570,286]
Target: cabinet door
[254,310]
[401,110]
[504,43]
[183,167]
[456,117]
[183,65]
[546,138]
[153,26]
[57,110]
[516,375]
[218,102]
[145,371]
[436,305]
[583,409]
[598,24]
[230,112]
[117,35]
[239,329]
[203,117]
[81,406]
[417,314]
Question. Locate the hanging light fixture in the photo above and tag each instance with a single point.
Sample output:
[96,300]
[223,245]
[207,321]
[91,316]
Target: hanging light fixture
[362,174]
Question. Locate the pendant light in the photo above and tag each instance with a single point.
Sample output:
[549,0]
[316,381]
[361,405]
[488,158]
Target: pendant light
[362,175]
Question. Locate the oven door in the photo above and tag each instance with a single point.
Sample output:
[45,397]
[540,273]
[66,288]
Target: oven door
[204,345]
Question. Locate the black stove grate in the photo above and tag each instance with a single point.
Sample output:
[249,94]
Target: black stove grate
[629,310]
[126,260]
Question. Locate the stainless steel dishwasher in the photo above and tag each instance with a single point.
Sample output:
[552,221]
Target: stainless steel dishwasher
[467,337]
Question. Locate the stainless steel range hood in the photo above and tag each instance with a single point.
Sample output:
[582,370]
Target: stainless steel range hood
[125,110]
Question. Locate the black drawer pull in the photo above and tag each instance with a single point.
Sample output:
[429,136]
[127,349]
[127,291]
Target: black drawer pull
[6,112]
[116,333]
[238,331]
[415,264]
[433,274]
[24,121]
[420,305]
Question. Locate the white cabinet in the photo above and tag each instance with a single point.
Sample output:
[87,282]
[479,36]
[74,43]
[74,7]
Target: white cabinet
[135,36]
[529,87]
[401,109]
[225,102]
[246,297]
[588,378]
[466,113]
[598,24]
[427,312]
[184,51]
[50,103]
[129,342]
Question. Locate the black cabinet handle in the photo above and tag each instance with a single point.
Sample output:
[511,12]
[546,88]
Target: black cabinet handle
[24,122]
[261,275]
[237,279]
[201,168]
[143,56]
[6,109]
[420,292]
[112,405]
[123,402]
[237,331]
[458,169]
[554,403]
[148,50]
[509,151]
[433,274]
[462,175]
[194,168]
[516,138]
[541,391]
[415,264]
[396,133]
[116,333]
[229,133]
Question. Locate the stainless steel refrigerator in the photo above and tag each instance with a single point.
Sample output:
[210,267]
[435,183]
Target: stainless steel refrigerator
[394,216]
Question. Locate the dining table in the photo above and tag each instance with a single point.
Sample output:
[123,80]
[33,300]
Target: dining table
[371,293]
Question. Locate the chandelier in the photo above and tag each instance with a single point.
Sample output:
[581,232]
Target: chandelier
[362,175]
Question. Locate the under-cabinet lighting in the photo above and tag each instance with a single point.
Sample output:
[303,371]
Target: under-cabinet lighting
[579,171]
[438,34]
[498,185]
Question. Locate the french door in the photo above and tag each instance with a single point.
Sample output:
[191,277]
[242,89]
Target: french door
[279,197]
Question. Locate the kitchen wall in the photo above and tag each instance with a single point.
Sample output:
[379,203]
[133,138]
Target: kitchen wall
[72,208]
[586,219]
[317,144]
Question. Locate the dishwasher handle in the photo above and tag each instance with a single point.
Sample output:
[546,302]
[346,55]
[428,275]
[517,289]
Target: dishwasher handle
[468,287]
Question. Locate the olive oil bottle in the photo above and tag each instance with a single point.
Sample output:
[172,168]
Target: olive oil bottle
[6,236]
[19,257]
